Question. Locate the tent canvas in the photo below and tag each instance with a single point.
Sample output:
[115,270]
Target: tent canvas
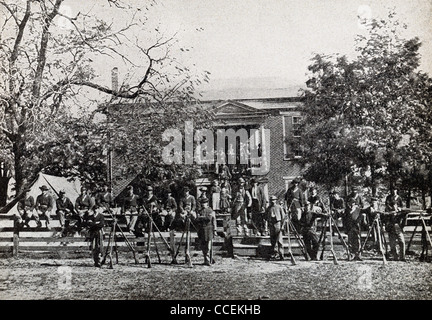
[54,184]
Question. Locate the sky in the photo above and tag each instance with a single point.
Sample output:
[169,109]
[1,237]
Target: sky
[276,38]
[254,43]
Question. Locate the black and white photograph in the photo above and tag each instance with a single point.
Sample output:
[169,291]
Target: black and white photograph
[232,152]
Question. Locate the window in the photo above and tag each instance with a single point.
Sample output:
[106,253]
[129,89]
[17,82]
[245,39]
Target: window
[296,121]
[291,133]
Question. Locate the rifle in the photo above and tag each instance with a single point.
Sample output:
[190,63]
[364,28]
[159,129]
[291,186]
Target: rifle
[160,233]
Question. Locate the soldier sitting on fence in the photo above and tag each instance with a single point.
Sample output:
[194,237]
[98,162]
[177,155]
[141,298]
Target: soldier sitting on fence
[44,205]
[83,204]
[65,212]
[25,209]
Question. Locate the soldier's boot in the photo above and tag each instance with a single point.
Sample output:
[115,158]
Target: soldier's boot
[47,225]
[239,230]
[245,230]
[38,222]
[26,222]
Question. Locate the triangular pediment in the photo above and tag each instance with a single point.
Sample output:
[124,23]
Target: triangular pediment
[232,107]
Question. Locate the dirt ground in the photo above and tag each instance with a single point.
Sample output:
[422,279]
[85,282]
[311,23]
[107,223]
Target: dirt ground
[228,279]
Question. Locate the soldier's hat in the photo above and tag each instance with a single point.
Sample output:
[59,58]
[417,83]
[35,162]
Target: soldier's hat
[44,188]
[295,181]
[28,189]
[62,191]
[241,180]
[203,189]
[204,200]
[253,181]
[374,199]
[129,187]
[186,189]
[273,198]
[149,188]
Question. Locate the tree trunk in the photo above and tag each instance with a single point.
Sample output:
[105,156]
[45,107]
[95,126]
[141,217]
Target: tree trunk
[4,182]
[423,195]
[19,146]
[373,182]
[408,202]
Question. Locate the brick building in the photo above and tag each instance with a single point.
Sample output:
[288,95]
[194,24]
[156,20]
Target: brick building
[281,117]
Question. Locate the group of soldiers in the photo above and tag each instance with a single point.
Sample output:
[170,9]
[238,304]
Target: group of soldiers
[304,207]
[248,205]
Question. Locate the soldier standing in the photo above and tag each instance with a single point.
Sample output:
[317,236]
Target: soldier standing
[241,203]
[25,209]
[394,224]
[353,218]
[95,223]
[258,207]
[206,221]
[275,216]
[308,227]
[295,202]
[44,205]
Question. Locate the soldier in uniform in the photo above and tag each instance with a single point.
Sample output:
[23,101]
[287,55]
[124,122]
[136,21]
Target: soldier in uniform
[206,224]
[25,209]
[224,183]
[187,199]
[44,205]
[258,207]
[202,196]
[65,210]
[83,204]
[169,209]
[64,207]
[152,206]
[130,207]
[394,224]
[95,223]
[225,199]
[295,202]
[337,206]
[241,203]
[352,222]
[308,228]
[105,198]
[275,216]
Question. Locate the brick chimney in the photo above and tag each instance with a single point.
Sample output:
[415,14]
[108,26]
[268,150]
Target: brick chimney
[114,79]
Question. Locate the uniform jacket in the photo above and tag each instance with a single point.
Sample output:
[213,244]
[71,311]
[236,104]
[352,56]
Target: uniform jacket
[44,202]
[84,202]
[275,213]
[259,198]
[64,204]
[95,222]
[206,221]
[170,204]
[26,204]
[190,199]
[105,199]
[296,197]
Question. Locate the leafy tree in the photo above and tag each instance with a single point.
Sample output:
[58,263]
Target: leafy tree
[366,114]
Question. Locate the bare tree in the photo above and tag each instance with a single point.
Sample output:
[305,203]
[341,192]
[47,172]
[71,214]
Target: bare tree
[46,68]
